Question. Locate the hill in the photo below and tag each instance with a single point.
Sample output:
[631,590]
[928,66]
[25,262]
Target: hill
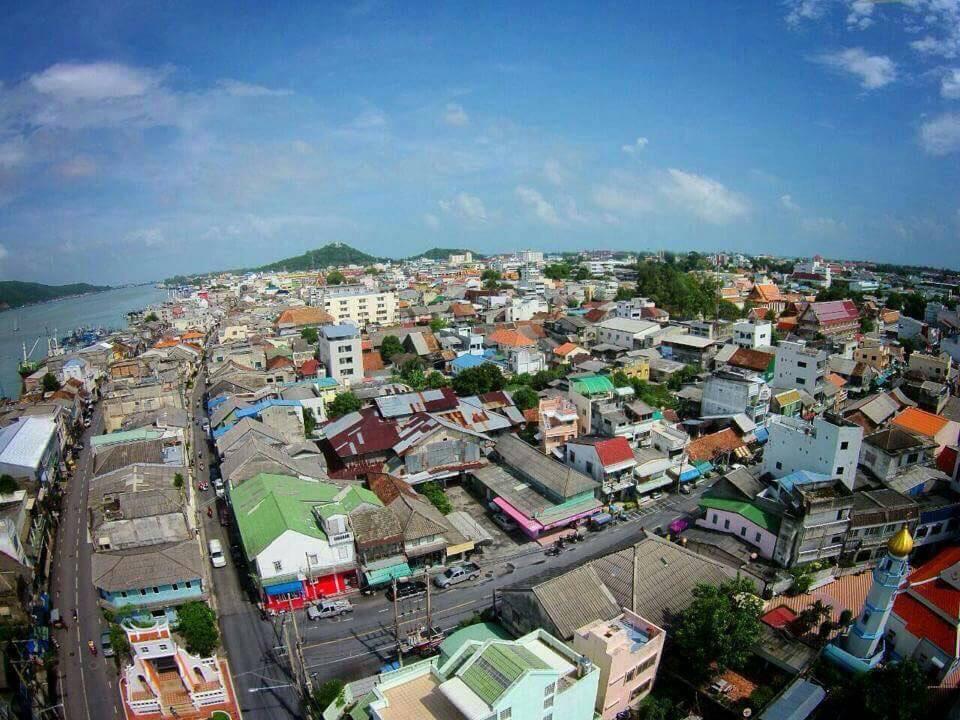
[330,255]
[14,293]
[444,253]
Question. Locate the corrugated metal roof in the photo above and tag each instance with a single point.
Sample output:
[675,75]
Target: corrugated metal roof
[24,442]
[575,599]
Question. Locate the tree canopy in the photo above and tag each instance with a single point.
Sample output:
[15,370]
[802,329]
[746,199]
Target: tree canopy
[390,347]
[343,403]
[310,334]
[50,383]
[198,627]
[336,277]
[678,292]
[525,398]
[896,691]
[720,627]
[8,484]
[437,324]
[478,380]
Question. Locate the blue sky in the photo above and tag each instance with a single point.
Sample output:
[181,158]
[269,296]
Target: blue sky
[141,139]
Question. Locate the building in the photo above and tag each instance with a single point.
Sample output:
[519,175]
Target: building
[828,447]
[800,367]
[875,353]
[729,392]
[937,368]
[814,517]
[627,651]
[608,460]
[633,308]
[535,676]
[752,335]
[30,448]
[887,453]
[558,423]
[877,516]
[833,319]
[626,333]
[293,320]
[359,305]
[688,349]
[937,428]
[341,352]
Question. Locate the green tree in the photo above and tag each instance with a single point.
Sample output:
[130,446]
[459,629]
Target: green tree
[437,324]
[311,335]
[624,293]
[437,497]
[198,626]
[178,481]
[413,373]
[719,628]
[810,617]
[619,379]
[436,380]
[335,277]
[728,311]
[151,317]
[909,346]
[324,695]
[370,270]
[914,306]
[657,708]
[582,273]
[896,691]
[342,404]
[686,374]
[309,422]
[49,383]
[573,303]
[478,380]
[390,347]
[894,301]
[8,484]
[867,325]
[557,271]
[119,642]
[525,398]
[490,274]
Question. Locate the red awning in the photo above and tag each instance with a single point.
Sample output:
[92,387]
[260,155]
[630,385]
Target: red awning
[525,522]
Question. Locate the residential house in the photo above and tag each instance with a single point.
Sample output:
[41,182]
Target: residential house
[887,453]
[626,333]
[752,335]
[876,517]
[814,517]
[430,447]
[557,422]
[607,460]
[30,448]
[939,429]
[689,349]
[340,349]
[827,446]
[800,367]
[293,320]
[729,392]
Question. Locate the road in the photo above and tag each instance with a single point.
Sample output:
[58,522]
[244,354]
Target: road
[88,684]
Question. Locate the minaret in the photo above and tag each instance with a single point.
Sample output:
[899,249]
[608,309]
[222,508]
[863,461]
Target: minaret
[867,631]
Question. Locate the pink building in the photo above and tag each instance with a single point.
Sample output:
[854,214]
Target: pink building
[627,650]
[558,423]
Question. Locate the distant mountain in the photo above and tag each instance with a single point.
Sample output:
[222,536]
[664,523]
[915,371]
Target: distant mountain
[330,255]
[14,293]
[444,253]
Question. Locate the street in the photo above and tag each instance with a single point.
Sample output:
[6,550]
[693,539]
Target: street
[88,684]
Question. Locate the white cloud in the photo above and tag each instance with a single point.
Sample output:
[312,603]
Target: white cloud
[625,196]
[940,19]
[466,207]
[874,71]
[369,119]
[77,167]
[238,88]
[860,16]
[941,136]
[455,115]
[554,173]
[800,10]
[431,221]
[950,85]
[787,202]
[536,202]
[12,152]
[704,197]
[821,225]
[637,146]
[147,237]
[93,81]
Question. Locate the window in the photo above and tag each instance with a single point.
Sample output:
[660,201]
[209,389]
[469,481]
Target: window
[549,689]
[311,559]
[640,689]
[743,531]
[506,714]
[175,587]
[840,471]
[715,516]
[573,456]
[844,445]
[548,703]
[801,363]
[779,465]
[187,584]
[726,524]
[589,466]
[277,565]
[757,538]
[866,617]
[631,674]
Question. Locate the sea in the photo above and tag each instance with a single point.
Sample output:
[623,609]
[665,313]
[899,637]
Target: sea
[58,318]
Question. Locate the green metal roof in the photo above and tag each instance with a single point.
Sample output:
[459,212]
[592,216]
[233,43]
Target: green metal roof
[497,668]
[592,385]
[268,505]
[478,632]
[382,575]
[144,433]
[768,521]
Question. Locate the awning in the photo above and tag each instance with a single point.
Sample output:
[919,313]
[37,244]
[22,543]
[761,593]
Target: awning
[284,588]
[385,575]
[688,475]
[761,434]
[519,517]
[461,548]
[703,466]
[659,482]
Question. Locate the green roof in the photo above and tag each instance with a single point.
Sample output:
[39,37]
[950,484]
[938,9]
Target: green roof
[592,385]
[268,505]
[144,433]
[768,521]
[382,575]
[478,632]
[498,667]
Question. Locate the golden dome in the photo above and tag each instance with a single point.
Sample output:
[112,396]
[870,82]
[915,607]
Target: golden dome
[901,544]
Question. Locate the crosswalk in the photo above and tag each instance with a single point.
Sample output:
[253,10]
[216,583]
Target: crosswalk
[649,509]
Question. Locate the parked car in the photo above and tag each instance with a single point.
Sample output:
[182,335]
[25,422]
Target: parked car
[216,554]
[457,574]
[223,512]
[329,608]
[504,523]
[105,645]
[215,472]
[219,487]
[407,589]
[685,489]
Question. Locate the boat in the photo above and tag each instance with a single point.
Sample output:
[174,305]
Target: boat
[27,366]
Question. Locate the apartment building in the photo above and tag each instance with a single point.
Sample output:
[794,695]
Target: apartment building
[800,367]
[633,308]
[931,367]
[359,304]
[730,392]
[828,447]
[752,335]
[815,518]
[875,353]
[341,352]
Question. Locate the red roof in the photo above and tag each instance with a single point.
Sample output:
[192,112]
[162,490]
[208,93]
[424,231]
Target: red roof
[279,361]
[565,349]
[709,447]
[595,315]
[835,311]
[614,451]
[780,617]
[930,590]
[372,361]
[510,338]
[310,367]
[751,359]
[368,434]
[922,622]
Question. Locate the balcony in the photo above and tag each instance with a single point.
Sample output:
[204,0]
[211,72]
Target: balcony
[340,539]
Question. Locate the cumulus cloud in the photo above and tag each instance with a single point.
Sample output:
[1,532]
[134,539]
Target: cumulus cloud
[636,146]
[455,115]
[704,197]
[860,16]
[534,200]
[801,10]
[238,88]
[941,135]
[950,85]
[466,207]
[12,152]
[624,196]
[873,71]
[93,81]
[821,225]
[554,173]
[787,202]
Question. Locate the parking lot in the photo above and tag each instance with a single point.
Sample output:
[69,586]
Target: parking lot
[504,543]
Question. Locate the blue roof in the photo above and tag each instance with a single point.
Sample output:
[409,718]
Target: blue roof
[339,332]
[800,477]
[255,410]
[797,703]
[464,362]
[326,382]
[761,434]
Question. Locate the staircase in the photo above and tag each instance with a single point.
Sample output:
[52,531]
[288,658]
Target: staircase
[173,694]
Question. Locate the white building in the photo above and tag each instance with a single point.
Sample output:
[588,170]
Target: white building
[633,308]
[521,309]
[530,256]
[752,335]
[821,447]
[359,304]
[341,352]
[627,333]
[526,360]
[730,392]
[799,367]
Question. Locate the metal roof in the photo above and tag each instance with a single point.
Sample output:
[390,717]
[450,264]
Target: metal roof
[24,442]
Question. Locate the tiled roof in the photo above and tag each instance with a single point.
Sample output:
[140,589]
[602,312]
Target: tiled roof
[710,446]
[308,315]
[574,599]
[848,592]
[361,433]
[310,367]
[372,361]
[766,293]
[922,622]
[751,359]
[836,380]
[614,451]
[565,349]
[835,311]
[920,421]
[510,338]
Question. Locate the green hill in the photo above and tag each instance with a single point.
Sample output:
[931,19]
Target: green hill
[444,253]
[14,293]
[330,255]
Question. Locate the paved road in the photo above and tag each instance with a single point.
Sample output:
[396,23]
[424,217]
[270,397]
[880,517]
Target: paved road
[88,684]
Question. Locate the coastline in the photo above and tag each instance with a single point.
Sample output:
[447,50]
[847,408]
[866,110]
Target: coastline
[106,288]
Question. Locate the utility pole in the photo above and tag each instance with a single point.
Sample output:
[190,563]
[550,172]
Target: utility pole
[396,624]
[295,652]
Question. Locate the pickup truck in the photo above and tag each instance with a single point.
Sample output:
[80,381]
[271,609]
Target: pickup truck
[457,574]
[329,608]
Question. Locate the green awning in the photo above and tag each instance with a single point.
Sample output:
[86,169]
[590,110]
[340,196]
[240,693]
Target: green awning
[385,575]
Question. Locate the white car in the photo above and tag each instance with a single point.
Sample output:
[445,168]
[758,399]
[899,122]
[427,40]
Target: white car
[216,554]
[218,487]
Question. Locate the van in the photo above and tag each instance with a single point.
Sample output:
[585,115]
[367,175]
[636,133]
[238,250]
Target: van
[216,554]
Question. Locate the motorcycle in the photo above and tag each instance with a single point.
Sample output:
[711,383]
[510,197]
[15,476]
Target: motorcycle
[92,647]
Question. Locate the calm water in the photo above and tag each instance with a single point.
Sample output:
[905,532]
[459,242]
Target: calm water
[106,309]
